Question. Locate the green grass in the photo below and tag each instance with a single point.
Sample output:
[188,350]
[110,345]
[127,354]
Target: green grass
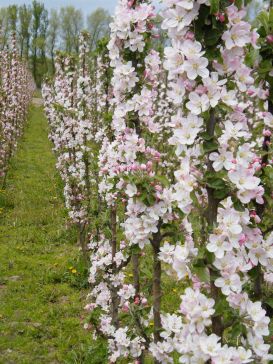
[41,300]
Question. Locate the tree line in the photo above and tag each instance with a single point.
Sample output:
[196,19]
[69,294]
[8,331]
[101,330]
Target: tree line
[41,32]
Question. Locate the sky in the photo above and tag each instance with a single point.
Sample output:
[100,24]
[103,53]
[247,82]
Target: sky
[86,6]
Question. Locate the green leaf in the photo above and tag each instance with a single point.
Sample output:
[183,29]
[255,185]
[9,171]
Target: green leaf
[238,3]
[238,204]
[221,194]
[221,307]
[212,37]
[214,6]
[216,183]
[163,180]
[206,136]
[263,18]
[269,301]
[210,146]
[202,273]
[254,272]
[238,329]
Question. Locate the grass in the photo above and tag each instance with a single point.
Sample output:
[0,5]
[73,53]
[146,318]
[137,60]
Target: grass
[41,299]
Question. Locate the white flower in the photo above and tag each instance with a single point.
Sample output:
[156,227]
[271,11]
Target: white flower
[242,355]
[131,190]
[242,180]
[166,253]
[229,283]
[229,97]
[197,104]
[222,159]
[255,310]
[180,256]
[196,66]
[185,4]
[258,255]
[210,345]
[174,60]
[218,245]
[191,49]
[231,223]
[176,91]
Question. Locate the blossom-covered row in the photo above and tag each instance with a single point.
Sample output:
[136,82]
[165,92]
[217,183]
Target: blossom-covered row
[16,90]
[181,172]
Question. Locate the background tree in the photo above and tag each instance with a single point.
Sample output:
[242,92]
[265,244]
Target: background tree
[71,25]
[25,15]
[39,26]
[98,25]
[52,35]
[3,27]
[12,18]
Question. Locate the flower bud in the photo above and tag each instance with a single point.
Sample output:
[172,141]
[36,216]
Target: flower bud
[269,38]
[267,133]
[158,188]
[144,301]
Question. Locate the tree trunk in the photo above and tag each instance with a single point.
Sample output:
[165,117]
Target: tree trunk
[114,290]
[157,289]
[211,217]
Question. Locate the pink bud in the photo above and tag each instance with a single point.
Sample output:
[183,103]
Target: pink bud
[257,219]
[269,38]
[267,133]
[125,307]
[242,239]
[143,167]
[189,35]
[158,188]
[220,17]
[250,92]
[201,90]
[144,301]
[136,300]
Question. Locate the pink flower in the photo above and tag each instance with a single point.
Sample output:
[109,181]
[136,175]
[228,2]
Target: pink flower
[269,38]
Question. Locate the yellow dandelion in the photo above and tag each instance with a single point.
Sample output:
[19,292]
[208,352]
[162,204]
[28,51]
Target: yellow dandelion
[74,271]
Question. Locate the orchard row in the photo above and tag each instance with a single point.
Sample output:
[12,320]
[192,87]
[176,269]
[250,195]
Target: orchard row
[16,90]
[166,160]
